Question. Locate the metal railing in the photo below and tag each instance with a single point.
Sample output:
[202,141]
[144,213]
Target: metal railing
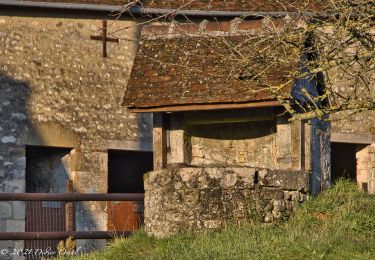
[69,201]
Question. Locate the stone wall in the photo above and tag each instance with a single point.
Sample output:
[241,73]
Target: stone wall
[228,167]
[196,199]
[53,74]
[57,90]
[366,167]
[252,138]
[12,179]
[248,144]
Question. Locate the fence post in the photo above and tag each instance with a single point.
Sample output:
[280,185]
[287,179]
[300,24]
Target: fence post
[69,209]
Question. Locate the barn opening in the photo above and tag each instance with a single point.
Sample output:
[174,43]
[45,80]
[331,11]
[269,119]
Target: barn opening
[343,161]
[47,171]
[125,175]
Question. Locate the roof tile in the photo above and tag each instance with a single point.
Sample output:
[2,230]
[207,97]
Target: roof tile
[182,69]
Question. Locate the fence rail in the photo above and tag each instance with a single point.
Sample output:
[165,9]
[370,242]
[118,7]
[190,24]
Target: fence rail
[53,235]
[68,197]
[69,200]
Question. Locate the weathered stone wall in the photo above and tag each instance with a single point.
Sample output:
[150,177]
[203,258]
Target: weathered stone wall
[241,138]
[62,79]
[226,167]
[194,199]
[57,90]
[248,144]
[47,170]
[366,167]
[318,154]
[358,124]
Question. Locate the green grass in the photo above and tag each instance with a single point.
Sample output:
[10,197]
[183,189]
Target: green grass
[338,224]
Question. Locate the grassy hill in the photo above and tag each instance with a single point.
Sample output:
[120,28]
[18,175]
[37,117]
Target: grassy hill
[339,224]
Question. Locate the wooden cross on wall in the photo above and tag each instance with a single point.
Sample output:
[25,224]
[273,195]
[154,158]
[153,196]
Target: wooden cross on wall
[103,37]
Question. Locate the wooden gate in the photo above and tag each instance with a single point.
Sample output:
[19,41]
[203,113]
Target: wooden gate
[44,216]
[125,215]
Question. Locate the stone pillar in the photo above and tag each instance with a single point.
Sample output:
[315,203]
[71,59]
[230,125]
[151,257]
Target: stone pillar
[159,141]
[366,168]
[90,175]
[178,143]
[289,149]
[319,154]
[283,143]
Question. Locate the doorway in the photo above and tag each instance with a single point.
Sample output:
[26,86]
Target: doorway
[47,171]
[125,175]
[343,161]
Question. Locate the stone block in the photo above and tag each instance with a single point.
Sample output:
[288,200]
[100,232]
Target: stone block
[19,245]
[6,244]
[283,138]
[279,205]
[3,226]
[15,225]
[270,194]
[92,182]
[213,224]
[8,140]
[229,181]
[17,174]
[5,210]
[17,151]
[20,163]
[176,198]
[286,180]
[18,210]
[16,185]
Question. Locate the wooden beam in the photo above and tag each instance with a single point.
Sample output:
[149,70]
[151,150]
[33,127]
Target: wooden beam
[183,108]
[71,196]
[60,235]
[229,116]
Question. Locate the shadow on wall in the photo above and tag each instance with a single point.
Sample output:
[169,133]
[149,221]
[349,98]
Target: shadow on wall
[46,170]
[14,124]
[233,131]
[144,127]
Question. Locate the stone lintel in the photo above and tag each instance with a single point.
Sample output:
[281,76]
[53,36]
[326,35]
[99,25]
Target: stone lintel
[50,134]
[352,138]
[127,145]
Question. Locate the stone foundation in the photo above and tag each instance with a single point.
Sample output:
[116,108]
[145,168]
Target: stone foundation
[194,199]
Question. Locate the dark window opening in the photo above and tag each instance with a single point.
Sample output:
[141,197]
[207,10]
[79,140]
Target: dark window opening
[46,169]
[343,161]
[126,169]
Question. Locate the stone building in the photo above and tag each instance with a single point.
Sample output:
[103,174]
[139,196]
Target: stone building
[352,136]
[224,151]
[353,148]
[61,116]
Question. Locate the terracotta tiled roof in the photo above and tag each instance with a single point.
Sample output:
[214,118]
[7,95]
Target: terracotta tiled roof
[171,69]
